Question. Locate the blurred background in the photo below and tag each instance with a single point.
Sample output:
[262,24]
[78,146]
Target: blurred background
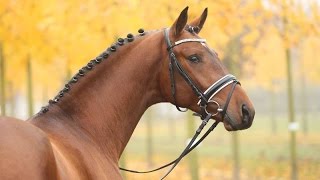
[270,45]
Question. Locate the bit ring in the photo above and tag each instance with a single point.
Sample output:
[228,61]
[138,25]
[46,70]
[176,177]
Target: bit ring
[218,109]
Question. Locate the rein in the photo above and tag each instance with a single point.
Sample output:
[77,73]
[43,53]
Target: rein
[204,99]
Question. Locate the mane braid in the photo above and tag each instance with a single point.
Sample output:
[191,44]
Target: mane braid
[91,64]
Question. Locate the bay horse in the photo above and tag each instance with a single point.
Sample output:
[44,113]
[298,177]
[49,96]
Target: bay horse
[82,132]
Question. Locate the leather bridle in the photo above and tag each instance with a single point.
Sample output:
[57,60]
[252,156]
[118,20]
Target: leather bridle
[205,98]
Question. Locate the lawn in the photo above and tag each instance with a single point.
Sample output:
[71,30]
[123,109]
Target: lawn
[264,154]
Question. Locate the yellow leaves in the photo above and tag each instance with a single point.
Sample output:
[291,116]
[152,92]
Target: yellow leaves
[59,33]
[310,60]
[251,37]
[269,61]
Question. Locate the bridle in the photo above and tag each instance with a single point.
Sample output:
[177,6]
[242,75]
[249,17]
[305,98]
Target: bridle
[205,98]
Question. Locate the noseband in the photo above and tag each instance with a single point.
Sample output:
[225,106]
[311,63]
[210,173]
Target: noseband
[205,98]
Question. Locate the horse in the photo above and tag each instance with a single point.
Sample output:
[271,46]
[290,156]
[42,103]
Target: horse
[83,130]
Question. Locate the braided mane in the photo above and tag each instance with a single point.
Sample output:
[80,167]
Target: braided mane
[91,64]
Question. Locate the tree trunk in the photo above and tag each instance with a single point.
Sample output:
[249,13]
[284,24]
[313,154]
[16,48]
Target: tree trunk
[171,126]
[291,115]
[273,112]
[12,101]
[29,87]
[304,104]
[193,156]
[45,94]
[236,157]
[68,73]
[149,138]
[2,82]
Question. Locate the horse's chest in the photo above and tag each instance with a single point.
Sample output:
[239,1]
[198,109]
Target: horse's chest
[84,166]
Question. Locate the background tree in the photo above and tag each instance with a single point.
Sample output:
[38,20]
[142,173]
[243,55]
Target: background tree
[2,82]
[193,157]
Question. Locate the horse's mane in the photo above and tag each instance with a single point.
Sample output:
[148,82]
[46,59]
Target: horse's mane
[90,65]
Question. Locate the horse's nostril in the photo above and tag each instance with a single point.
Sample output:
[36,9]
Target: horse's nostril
[245,114]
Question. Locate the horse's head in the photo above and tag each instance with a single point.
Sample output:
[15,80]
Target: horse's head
[198,80]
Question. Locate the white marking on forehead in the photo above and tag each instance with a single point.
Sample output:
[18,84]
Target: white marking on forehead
[190,40]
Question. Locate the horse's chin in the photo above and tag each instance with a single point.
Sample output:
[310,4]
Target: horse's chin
[228,126]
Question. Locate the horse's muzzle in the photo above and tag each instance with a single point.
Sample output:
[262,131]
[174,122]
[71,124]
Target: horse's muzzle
[247,116]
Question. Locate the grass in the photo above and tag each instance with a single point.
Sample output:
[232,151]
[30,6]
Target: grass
[263,154]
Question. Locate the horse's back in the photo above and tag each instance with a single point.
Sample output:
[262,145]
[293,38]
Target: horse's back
[25,151]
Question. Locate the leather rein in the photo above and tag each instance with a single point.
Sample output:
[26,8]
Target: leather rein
[205,98]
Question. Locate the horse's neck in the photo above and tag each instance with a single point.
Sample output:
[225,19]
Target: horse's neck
[108,102]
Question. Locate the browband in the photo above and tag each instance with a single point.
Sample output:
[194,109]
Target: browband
[184,41]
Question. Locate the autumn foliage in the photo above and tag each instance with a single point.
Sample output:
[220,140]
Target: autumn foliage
[61,35]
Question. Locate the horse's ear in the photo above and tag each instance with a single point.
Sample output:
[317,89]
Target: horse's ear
[199,22]
[181,22]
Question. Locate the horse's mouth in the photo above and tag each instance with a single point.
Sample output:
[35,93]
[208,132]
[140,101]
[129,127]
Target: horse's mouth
[230,125]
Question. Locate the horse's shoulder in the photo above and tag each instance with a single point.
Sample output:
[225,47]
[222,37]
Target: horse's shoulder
[26,149]
[13,130]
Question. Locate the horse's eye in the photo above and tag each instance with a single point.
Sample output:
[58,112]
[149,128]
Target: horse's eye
[194,58]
